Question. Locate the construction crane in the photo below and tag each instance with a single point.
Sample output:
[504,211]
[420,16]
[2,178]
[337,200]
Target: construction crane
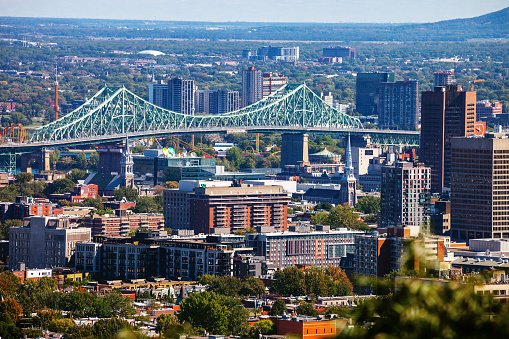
[473,82]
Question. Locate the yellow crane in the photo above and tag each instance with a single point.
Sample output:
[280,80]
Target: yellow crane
[473,82]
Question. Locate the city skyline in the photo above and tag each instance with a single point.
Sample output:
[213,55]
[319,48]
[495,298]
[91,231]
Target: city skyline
[319,11]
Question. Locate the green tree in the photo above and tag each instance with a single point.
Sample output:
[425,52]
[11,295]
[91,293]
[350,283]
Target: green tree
[81,160]
[278,308]
[344,216]
[9,284]
[234,155]
[120,306]
[126,192]
[8,328]
[205,310]
[205,279]
[326,206]
[93,160]
[109,328]
[289,281]
[251,286]
[60,325]
[164,322]
[75,175]
[306,309]
[147,205]
[6,225]
[265,326]
[11,307]
[54,157]
[421,309]
[320,218]
[60,186]
[368,205]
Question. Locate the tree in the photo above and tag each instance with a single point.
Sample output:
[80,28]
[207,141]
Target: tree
[344,216]
[171,184]
[6,225]
[278,308]
[320,218]
[368,205]
[54,157]
[23,178]
[420,309]
[94,160]
[205,310]
[81,160]
[109,328]
[343,286]
[289,281]
[251,286]
[9,284]
[75,175]
[225,285]
[165,321]
[120,306]
[306,309]
[126,192]
[234,155]
[60,186]
[11,307]
[205,279]
[147,205]
[326,206]
[265,326]
[8,329]
[60,325]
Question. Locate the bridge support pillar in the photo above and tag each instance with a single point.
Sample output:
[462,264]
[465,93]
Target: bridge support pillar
[294,149]
[8,163]
[42,158]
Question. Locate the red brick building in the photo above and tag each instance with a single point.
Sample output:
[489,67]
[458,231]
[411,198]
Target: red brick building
[112,225]
[227,209]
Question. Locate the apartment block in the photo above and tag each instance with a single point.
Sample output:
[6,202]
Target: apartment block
[121,225]
[323,247]
[252,89]
[485,109]
[181,95]
[271,82]
[45,242]
[367,96]
[399,105]
[405,196]
[158,94]
[339,52]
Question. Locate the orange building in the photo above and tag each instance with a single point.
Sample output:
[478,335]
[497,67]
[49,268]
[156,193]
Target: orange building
[307,327]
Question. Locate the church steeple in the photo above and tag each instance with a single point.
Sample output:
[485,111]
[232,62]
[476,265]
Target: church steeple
[127,164]
[349,171]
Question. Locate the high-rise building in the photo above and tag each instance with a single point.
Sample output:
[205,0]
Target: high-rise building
[205,101]
[399,105]
[227,101]
[446,112]
[181,95]
[485,109]
[341,52]
[405,196]
[158,94]
[444,78]
[216,101]
[479,187]
[368,91]
[252,89]
[272,82]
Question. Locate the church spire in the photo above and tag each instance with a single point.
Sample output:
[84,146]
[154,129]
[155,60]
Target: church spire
[349,172]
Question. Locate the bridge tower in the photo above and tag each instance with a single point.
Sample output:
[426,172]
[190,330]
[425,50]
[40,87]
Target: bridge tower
[294,149]
[42,159]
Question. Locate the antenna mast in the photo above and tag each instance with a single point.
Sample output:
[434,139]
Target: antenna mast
[56,93]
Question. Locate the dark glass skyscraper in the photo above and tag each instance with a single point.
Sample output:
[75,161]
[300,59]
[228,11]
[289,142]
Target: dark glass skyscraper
[368,91]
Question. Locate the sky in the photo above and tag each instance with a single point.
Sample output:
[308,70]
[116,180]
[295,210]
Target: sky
[330,11]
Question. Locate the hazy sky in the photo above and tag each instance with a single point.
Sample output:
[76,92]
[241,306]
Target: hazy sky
[361,11]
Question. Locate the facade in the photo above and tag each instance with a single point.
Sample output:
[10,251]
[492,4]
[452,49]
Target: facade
[444,78]
[399,105]
[216,101]
[405,196]
[118,226]
[181,95]
[227,209]
[285,54]
[319,248]
[362,158]
[129,261]
[479,187]
[271,82]
[45,242]
[446,112]
[88,257]
[367,88]
[485,109]
[158,94]
[339,52]
[252,90]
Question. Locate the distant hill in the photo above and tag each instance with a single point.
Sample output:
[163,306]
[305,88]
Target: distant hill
[495,18]
[493,25]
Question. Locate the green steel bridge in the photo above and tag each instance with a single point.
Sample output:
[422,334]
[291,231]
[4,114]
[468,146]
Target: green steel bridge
[114,113]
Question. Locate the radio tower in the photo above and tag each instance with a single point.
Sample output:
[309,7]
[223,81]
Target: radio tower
[56,93]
